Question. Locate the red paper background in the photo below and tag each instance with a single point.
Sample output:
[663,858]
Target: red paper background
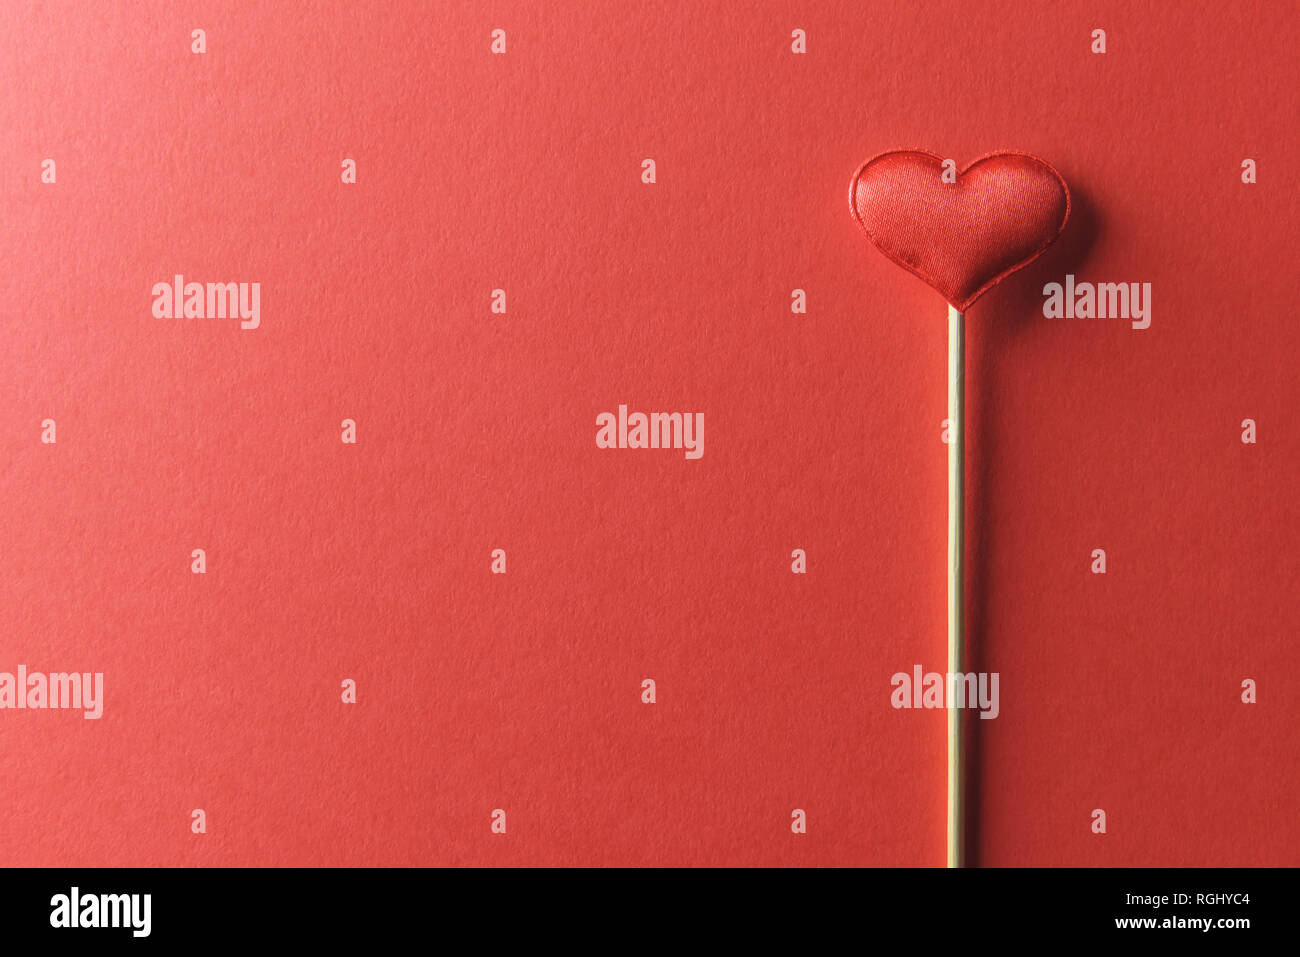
[476,431]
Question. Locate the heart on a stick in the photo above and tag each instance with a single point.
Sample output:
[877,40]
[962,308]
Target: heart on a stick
[965,236]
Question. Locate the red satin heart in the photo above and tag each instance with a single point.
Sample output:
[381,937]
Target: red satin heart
[962,238]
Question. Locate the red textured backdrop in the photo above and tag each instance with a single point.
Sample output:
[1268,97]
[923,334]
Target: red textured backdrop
[477,431]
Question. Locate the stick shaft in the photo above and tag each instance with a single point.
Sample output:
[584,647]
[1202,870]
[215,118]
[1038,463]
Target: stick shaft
[956,655]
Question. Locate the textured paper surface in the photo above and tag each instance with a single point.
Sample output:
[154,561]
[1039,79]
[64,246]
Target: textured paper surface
[476,431]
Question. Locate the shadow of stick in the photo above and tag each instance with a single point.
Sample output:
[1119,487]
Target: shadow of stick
[1010,308]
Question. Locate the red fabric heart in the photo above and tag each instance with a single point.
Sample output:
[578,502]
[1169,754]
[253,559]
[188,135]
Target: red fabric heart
[962,238]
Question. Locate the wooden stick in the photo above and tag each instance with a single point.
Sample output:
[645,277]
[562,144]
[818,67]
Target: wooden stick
[956,656]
